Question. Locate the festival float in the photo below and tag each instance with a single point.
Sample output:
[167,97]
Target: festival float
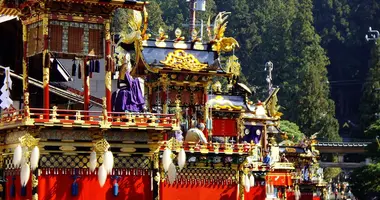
[165,127]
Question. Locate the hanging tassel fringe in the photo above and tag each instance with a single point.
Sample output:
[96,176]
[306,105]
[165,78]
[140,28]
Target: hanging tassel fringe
[74,69]
[93,161]
[166,159]
[34,158]
[102,175]
[17,156]
[24,174]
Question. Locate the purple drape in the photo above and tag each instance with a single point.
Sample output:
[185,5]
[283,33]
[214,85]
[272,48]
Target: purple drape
[252,135]
[129,97]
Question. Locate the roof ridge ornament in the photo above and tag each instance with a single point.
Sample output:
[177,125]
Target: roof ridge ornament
[221,43]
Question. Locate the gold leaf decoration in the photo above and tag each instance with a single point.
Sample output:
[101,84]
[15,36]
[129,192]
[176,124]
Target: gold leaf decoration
[28,140]
[233,65]
[179,60]
[102,145]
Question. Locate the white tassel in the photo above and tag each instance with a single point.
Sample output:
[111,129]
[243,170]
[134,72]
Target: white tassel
[252,181]
[34,158]
[167,159]
[246,183]
[108,161]
[102,175]
[172,173]
[93,161]
[24,174]
[17,156]
[271,189]
[181,159]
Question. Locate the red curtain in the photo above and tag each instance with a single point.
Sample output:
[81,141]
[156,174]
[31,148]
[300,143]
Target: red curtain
[290,196]
[17,183]
[198,191]
[57,187]
[255,193]
[279,178]
[306,196]
[224,127]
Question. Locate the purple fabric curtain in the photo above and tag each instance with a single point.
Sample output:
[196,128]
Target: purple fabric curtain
[129,97]
[252,135]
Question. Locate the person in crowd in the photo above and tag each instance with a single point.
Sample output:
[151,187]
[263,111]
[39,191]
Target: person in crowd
[196,134]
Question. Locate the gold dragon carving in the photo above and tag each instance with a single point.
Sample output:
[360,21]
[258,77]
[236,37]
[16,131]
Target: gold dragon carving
[179,59]
[221,43]
[233,65]
[135,22]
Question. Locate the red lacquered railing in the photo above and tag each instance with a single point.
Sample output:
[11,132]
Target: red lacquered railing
[86,118]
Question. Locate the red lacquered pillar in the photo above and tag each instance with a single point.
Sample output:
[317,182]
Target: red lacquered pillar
[108,68]
[46,67]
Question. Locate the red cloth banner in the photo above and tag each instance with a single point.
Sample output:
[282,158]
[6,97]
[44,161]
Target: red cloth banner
[255,193]
[17,184]
[279,179]
[224,127]
[304,196]
[58,187]
[198,191]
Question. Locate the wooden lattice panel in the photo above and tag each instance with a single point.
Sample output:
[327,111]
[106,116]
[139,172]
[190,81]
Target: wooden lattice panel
[76,38]
[206,175]
[82,161]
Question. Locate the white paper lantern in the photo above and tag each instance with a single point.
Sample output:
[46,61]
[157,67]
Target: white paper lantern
[246,183]
[181,159]
[167,159]
[34,158]
[17,156]
[93,161]
[102,175]
[24,174]
[172,173]
[108,161]
[252,181]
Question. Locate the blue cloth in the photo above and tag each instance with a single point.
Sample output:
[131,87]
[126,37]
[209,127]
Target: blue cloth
[266,159]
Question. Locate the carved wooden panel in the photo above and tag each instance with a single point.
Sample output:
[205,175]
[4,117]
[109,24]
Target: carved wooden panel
[34,39]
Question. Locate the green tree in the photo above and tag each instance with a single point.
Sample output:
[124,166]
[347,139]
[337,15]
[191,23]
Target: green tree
[315,111]
[370,105]
[120,19]
[373,149]
[292,131]
[363,183]
[331,173]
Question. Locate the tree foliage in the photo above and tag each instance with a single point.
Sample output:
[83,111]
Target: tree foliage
[370,107]
[292,131]
[363,181]
[331,173]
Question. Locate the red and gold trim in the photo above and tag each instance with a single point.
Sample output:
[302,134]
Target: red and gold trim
[9,12]
[25,81]
[119,4]
[86,85]
[71,18]
[46,64]
[108,69]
